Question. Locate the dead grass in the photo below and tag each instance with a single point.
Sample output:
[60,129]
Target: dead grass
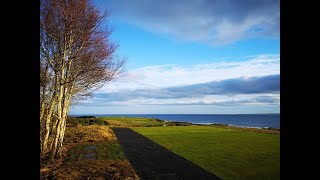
[92,169]
[85,134]
[87,169]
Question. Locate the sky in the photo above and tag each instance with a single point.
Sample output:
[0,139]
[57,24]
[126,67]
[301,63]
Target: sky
[192,57]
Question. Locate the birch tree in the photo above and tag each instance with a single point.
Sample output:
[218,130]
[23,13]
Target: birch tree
[76,58]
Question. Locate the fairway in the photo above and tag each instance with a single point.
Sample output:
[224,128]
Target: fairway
[228,153]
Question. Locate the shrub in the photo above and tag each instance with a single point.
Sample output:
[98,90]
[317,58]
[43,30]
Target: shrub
[86,121]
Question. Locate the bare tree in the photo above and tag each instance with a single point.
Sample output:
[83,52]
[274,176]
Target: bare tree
[76,58]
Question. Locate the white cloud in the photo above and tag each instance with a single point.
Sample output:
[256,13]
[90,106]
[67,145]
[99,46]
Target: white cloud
[221,100]
[176,85]
[212,22]
[162,76]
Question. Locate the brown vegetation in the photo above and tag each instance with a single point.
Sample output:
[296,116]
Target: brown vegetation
[87,169]
[93,169]
[84,134]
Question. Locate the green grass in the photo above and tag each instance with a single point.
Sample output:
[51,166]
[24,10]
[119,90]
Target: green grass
[228,153]
[131,122]
[108,150]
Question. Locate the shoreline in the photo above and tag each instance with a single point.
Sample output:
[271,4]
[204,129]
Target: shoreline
[215,124]
[245,124]
[185,123]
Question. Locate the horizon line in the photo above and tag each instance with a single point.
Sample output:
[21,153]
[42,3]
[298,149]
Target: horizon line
[170,113]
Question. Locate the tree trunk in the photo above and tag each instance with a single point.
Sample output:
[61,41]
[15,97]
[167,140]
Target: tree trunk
[47,125]
[42,105]
[43,98]
[66,104]
[59,116]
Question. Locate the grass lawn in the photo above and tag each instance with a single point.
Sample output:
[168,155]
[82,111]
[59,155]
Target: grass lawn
[228,153]
[131,122]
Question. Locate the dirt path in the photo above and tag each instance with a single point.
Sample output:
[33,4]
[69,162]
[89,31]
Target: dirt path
[152,161]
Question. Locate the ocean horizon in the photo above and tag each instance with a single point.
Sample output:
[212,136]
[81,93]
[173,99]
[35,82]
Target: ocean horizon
[267,120]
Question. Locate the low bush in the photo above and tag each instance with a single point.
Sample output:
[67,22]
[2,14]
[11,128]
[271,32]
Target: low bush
[86,121]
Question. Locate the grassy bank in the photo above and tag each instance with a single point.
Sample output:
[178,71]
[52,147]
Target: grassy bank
[109,163]
[131,122]
[229,153]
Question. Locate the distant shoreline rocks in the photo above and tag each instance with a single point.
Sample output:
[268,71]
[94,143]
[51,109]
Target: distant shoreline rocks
[184,123]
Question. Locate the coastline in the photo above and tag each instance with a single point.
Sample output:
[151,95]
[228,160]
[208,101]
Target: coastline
[258,121]
[184,123]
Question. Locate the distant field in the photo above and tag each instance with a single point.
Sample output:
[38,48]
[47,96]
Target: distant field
[131,122]
[228,153]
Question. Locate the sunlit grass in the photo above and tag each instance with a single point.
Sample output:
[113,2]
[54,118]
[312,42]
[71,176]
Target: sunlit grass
[131,122]
[228,153]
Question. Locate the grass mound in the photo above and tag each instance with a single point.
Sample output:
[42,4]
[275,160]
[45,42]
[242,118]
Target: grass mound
[88,134]
[85,121]
[111,162]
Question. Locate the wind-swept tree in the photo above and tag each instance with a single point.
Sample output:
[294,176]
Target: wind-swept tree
[76,58]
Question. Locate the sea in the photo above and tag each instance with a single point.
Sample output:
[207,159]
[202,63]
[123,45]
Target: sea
[238,120]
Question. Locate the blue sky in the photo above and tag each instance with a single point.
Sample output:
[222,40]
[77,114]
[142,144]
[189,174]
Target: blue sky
[201,57]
